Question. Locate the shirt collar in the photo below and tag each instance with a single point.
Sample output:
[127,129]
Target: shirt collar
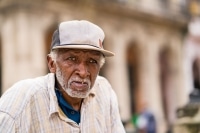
[52,95]
[54,107]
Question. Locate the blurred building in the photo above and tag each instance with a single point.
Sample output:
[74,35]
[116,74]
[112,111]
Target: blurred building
[147,36]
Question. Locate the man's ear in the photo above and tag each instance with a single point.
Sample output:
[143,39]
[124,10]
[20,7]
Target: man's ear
[51,64]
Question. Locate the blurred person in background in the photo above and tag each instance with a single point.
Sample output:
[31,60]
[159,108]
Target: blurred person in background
[145,122]
[72,98]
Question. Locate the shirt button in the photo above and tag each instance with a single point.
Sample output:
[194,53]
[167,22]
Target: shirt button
[72,112]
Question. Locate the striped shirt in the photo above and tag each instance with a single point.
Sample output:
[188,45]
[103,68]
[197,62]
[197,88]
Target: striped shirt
[30,106]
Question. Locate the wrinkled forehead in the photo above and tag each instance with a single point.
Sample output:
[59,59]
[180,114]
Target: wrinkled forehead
[77,51]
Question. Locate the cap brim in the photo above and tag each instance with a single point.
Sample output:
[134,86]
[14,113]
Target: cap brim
[88,47]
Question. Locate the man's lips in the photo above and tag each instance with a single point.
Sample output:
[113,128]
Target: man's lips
[79,85]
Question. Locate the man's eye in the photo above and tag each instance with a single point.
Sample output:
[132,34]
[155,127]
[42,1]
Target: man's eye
[92,61]
[72,58]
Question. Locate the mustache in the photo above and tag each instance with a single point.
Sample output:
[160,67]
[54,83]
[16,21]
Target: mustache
[80,80]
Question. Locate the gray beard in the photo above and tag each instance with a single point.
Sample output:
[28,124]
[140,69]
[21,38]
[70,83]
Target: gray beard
[66,86]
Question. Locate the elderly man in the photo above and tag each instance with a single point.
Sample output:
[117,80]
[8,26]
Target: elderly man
[70,99]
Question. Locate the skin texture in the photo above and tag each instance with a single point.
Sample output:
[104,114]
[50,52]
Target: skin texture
[76,71]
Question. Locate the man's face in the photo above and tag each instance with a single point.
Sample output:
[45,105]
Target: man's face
[76,71]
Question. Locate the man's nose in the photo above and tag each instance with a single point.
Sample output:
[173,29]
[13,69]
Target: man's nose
[83,70]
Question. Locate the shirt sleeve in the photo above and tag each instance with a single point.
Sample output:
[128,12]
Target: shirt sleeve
[7,124]
[116,123]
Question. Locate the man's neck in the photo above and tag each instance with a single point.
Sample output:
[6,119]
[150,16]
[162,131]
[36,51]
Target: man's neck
[74,102]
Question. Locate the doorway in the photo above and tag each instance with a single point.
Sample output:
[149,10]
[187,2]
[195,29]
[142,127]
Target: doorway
[132,68]
[194,95]
[0,68]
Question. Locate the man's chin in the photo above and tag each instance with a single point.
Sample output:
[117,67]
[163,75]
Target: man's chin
[76,94]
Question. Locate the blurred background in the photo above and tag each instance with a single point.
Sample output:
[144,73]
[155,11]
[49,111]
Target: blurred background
[156,42]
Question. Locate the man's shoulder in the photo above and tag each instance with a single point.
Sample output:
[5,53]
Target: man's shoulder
[101,79]
[102,85]
[16,98]
[23,86]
